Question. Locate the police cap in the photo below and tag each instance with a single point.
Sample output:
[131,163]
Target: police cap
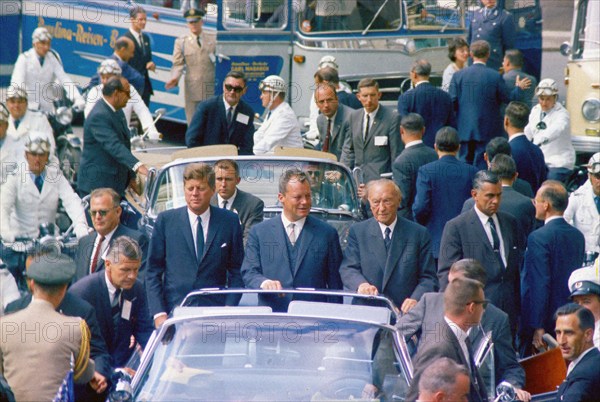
[584,281]
[52,269]
[193,14]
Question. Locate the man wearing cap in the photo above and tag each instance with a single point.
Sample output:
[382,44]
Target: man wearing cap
[38,343]
[280,127]
[110,68]
[550,128]
[584,284]
[194,54]
[39,69]
[583,211]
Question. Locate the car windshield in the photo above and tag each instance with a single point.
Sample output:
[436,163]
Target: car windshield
[272,358]
[331,185]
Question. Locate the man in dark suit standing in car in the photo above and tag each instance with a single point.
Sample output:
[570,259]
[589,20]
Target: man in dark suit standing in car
[224,119]
[142,57]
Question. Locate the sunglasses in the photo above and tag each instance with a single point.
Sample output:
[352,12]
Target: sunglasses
[101,212]
[230,88]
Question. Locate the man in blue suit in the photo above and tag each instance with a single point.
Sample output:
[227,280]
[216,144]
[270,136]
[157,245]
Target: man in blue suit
[294,249]
[478,93]
[119,300]
[529,158]
[224,119]
[442,187]
[432,103]
[553,252]
[387,254]
[192,247]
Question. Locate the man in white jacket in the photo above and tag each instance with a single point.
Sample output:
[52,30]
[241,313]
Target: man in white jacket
[280,127]
[40,72]
[110,68]
[550,128]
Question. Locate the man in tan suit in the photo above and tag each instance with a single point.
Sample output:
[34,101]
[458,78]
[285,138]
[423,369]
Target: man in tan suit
[193,52]
[37,343]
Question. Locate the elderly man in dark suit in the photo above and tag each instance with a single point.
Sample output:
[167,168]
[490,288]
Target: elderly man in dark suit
[373,141]
[442,187]
[432,103]
[192,247]
[107,160]
[388,254]
[294,249]
[248,207]
[490,237]
[574,332]
[407,164]
[142,56]
[333,119]
[428,316]
[105,211]
[478,93]
[553,252]
[224,119]
[464,304]
[119,300]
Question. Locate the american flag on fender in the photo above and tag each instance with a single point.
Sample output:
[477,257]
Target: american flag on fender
[66,391]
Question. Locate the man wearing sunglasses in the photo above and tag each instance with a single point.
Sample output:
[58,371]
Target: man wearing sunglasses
[224,119]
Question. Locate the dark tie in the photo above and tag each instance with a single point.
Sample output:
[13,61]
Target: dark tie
[495,240]
[474,370]
[597,201]
[367,128]
[41,59]
[542,115]
[198,41]
[327,137]
[94,264]
[116,309]
[387,240]
[199,239]
[39,183]
[225,204]
[17,122]
[142,45]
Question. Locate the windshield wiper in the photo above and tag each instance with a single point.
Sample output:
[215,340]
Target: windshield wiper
[375,17]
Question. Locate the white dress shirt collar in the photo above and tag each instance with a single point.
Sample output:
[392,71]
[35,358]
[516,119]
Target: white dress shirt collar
[227,106]
[193,218]
[112,290]
[552,218]
[576,361]
[512,137]
[108,103]
[413,143]
[297,229]
[136,35]
[392,225]
[229,201]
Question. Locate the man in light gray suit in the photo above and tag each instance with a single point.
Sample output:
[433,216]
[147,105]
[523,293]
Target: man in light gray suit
[333,119]
[373,139]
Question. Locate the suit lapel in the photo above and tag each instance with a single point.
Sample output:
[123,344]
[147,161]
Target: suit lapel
[105,307]
[187,232]
[374,125]
[397,249]
[478,230]
[377,246]
[306,238]
[213,228]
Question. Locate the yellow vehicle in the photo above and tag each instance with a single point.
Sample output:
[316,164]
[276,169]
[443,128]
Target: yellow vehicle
[582,76]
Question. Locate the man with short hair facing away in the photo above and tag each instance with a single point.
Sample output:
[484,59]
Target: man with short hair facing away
[574,330]
[500,145]
[280,127]
[294,249]
[464,304]
[407,164]
[224,119]
[373,140]
[387,254]
[584,284]
[248,207]
[432,103]
[333,119]
[124,51]
[512,65]
[553,252]
[192,247]
[444,381]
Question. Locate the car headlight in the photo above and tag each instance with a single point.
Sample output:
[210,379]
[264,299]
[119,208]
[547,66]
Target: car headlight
[591,110]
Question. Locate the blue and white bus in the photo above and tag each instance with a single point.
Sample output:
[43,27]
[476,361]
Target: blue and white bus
[375,38]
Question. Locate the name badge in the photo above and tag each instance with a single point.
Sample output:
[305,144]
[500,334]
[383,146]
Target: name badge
[242,118]
[126,310]
[381,141]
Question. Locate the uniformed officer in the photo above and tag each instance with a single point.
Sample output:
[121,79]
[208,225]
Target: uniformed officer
[194,53]
[38,343]
[584,284]
[497,27]
[8,160]
[39,69]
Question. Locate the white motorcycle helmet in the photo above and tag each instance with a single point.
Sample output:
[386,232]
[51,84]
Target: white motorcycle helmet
[109,66]
[41,34]
[546,87]
[273,83]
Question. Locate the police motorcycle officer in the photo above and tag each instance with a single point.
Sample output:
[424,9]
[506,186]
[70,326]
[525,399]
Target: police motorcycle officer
[39,69]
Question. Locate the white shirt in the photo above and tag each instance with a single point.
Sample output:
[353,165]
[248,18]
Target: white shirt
[512,137]
[371,119]
[297,229]
[227,106]
[137,36]
[413,143]
[382,227]
[104,247]
[552,218]
[194,223]
[112,290]
[280,129]
[488,231]
[461,336]
[229,201]
[576,361]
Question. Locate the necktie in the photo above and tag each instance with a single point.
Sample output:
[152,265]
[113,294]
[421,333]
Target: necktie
[327,137]
[597,201]
[486,12]
[367,127]
[41,59]
[142,45]
[39,183]
[542,115]
[473,369]
[495,240]
[198,41]
[116,309]
[17,122]
[291,226]
[229,116]
[94,264]
[387,239]
[225,204]
[199,239]
[268,115]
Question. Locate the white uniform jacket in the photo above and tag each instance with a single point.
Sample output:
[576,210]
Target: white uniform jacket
[11,158]
[23,208]
[280,129]
[555,139]
[40,82]
[583,214]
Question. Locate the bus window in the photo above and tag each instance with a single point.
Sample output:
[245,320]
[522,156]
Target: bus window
[244,14]
[586,43]
[426,15]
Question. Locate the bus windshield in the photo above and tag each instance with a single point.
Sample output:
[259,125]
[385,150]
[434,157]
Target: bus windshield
[586,40]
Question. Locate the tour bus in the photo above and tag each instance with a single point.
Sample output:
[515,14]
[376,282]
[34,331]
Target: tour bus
[368,38]
[582,77]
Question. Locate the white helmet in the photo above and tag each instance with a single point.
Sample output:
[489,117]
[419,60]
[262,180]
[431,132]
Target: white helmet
[109,66]
[328,61]
[37,143]
[41,34]
[272,83]
[547,86]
